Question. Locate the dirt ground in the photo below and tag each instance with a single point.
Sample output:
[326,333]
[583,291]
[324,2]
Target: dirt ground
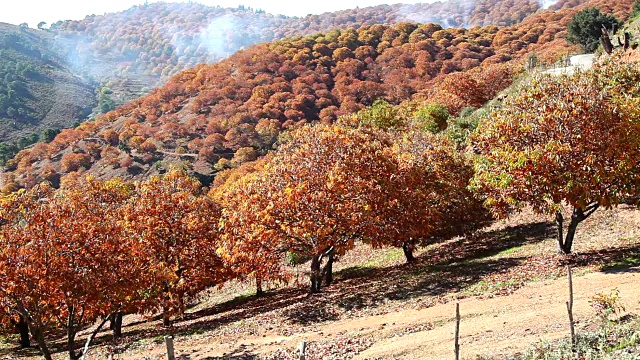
[490,326]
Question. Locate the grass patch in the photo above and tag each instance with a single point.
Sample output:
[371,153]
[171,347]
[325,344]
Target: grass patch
[630,261]
[510,251]
[386,257]
[485,287]
[196,331]
[617,341]
[158,339]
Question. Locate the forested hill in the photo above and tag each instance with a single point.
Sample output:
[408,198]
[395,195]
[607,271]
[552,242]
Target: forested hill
[217,116]
[50,75]
[53,77]
[38,91]
[161,39]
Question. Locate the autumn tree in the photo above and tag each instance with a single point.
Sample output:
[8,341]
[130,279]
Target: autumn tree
[176,227]
[72,162]
[427,198]
[563,140]
[315,197]
[62,262]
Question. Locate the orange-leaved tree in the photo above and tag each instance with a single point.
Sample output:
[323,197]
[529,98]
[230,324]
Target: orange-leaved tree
[572,139]
[428,199]
[175,226]
[63,263]
[315,197]
[263,264]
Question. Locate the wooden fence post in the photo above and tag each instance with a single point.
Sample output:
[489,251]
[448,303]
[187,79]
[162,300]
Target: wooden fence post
[170,352]
[303,350]
[570,307]
[457,342]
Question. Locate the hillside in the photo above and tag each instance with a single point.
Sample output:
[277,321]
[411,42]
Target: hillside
[131,52]
[217,116]
[161,39]
[348,189]
[38,91]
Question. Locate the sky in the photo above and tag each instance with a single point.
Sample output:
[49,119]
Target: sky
[50,11]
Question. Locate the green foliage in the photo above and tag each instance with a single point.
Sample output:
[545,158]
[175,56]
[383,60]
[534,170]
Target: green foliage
[606,305]
[105,102]
[636,8]
[585,28]
[48,135]
[380,115]
[9,150]
[432,118]
[294,259]
[464,125]
[15,74]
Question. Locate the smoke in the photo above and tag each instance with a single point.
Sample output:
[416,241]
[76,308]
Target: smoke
[218,34]
[221,36]
[85,58]
[545,4]
[454,13]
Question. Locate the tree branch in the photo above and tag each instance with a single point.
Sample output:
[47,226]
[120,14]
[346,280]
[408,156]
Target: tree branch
[93,335]
[592,206]
[590,211]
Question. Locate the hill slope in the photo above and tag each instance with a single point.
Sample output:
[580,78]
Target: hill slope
[161,39]
[215,116]
[37,90]
[511,284]
[131,52]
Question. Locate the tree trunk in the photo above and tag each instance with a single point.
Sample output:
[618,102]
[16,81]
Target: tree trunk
[71,337]
[315,275]
[605,41]
[38,336]
[23,330]
[408,248]
[115,324]
[328,268]
[92,336]
[166,319]
[560,238]
[571,232]
[259,290]
[579,215]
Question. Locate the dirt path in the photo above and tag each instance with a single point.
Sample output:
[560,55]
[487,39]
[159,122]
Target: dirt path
[582,62]
[505,325]
[493,326]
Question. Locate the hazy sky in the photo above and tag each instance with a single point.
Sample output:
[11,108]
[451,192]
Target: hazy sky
[34,11]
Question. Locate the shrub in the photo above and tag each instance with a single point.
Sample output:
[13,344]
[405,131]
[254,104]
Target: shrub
[432,118]
[72,162]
